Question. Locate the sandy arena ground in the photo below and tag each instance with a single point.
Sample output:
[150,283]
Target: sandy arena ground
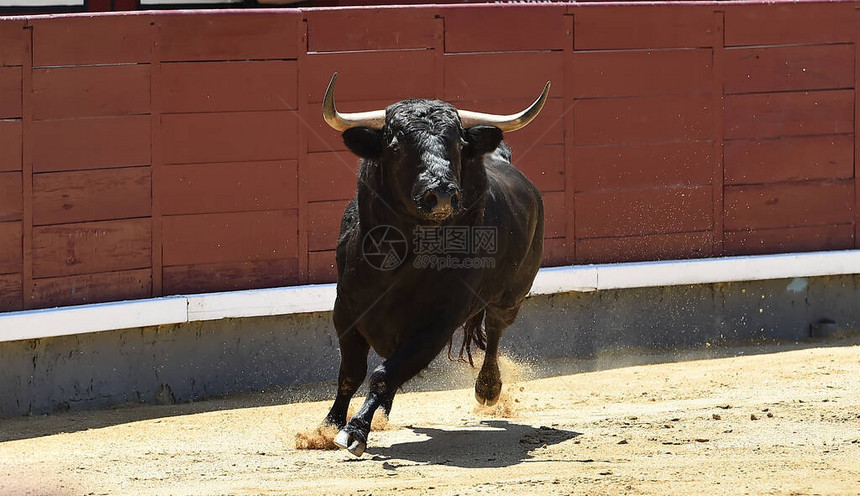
[769,419]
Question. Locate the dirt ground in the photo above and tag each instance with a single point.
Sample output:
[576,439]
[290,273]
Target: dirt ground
[768,419]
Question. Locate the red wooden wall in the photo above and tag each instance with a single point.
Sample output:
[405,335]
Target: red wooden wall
[160,153]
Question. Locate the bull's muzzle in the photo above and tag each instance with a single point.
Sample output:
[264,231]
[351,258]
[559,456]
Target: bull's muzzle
[440,203]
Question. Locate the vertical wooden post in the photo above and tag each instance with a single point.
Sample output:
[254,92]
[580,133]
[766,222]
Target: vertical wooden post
[156,159]
[718,179]
[569,107]
[27,169]
[304,114]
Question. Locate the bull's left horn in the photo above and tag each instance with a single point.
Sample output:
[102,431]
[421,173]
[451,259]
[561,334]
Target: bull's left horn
[506,123]
[374,119]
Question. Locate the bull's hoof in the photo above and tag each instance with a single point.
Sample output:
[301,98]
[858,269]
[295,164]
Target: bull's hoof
[486,401]
[346,441]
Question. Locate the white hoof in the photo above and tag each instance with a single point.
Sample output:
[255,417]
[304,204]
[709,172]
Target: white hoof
[486,402]
[342,440]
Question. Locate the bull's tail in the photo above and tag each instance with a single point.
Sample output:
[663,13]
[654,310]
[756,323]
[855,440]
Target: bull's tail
[473,332]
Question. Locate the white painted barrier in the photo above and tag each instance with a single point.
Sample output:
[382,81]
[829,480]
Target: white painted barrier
[32,324]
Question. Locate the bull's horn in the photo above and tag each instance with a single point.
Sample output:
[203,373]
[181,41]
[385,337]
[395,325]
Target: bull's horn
[341,122]
[506,123]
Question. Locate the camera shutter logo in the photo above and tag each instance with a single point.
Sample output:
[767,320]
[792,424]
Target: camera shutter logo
[384,247]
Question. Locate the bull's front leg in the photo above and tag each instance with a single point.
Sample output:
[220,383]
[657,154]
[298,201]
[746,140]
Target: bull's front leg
[353,368]
[408,359]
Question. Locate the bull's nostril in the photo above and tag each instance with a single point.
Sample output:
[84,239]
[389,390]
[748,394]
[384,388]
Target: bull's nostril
[430,200]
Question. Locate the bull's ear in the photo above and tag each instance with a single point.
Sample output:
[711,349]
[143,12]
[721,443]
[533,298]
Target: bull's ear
[483,139]
[364,141]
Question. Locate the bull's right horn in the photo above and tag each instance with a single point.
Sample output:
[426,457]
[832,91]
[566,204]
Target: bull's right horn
[374,119]
[506,123]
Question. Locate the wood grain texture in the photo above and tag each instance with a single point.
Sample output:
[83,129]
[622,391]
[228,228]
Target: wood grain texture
[77,92]
[643,166]
[11,145]
[787,23]
[11,293]
[772,115]
[673,246]
[230,237]
[91,247]
[229,137]
[787,240]
[642,120]
[817,67]
[789,159]
[642,26]
[228,35]
[10,92]
[640,212]
[324,224]
[230,276]
[789,205]
[11,248]
[90,288]
[506,28]
[641,72]
[79,196]
[232,187]
[228,86]
[90,143]
[370,29]
[86,40]
[11,196]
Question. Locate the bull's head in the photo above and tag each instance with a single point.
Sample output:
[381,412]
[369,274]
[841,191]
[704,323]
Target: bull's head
[423,145]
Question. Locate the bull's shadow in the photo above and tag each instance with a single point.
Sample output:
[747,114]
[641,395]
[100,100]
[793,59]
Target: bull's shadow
[491,444]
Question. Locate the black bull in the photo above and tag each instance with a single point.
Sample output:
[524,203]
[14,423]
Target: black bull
[428,168]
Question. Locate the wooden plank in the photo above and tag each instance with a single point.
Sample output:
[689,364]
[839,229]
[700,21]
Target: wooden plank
[643,166]
[234,187]
[641,72]
[228,35]
[229,137]
[330,176]
[76,92]
[371,75]
[790,240]
[772,115]
[478,76]
[81,40]
[789,23]
[554,214]
[673,246]
[789,159]
[90,288]
[90,143]
[230,237]
[229,86]
[79,196]
[230,276]
[11,143]
[789,205]
[749,70]
[11,248]
[10,92]
[91,247]
[642,26]
[543,165]
[555,252]
[11,196]
[640,212]
[366,28]
[324,224]
[504,28]
[321,267]
[642,120]
[14,39]
[11,294]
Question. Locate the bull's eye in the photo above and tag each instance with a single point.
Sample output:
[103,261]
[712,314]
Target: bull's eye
[394,145]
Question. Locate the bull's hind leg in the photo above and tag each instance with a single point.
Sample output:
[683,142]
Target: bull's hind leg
[488,386]
[353,368]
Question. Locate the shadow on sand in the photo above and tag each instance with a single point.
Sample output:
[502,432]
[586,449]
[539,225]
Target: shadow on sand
[489,444]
